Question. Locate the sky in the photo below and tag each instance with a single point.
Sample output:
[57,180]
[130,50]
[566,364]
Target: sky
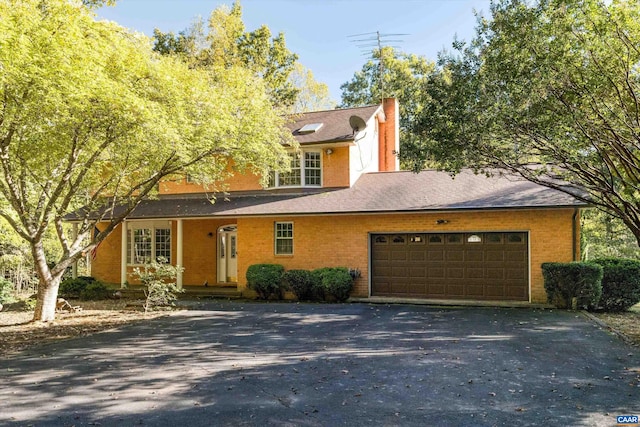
[321,31]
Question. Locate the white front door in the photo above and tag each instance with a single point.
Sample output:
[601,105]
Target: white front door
[228,254]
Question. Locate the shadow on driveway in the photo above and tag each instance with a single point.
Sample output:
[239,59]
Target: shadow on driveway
[232,363]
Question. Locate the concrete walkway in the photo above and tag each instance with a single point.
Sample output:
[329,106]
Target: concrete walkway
[240,363]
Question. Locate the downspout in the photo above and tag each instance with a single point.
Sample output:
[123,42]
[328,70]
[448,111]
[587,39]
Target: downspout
[574,220]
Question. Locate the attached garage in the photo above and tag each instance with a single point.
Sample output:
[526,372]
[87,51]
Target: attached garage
[472,266]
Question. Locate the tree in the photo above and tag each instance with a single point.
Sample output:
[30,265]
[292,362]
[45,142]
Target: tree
[225,43]
[393,74]
[90,116]
[549,91]
[604,236]
[312,95]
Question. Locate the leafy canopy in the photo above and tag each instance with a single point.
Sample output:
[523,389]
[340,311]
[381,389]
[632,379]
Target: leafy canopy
[224,43]
[89,113]
[393,74]
[549,90]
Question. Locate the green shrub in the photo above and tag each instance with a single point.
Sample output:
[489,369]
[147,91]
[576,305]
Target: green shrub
[159,280]
[266,280]
[95,291]
[620,283]
[300,282]
[332,281]
[566,281]
[7,294]
[72,288]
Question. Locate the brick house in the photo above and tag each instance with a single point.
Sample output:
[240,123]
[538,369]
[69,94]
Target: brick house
[345,203]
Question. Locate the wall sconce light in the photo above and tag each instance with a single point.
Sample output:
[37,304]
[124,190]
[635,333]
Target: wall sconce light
[442,221]
[328,151]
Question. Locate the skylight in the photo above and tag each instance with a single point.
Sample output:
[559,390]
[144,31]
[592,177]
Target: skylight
[310,128]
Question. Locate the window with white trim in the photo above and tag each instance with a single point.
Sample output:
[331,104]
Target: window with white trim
[148,241]
[306,171]
[284,238]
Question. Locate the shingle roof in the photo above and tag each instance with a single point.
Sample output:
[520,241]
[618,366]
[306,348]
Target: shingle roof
[372,193]
[335,127]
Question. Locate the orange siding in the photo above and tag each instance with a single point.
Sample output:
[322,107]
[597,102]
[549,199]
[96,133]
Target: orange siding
[344,241]
[335,167]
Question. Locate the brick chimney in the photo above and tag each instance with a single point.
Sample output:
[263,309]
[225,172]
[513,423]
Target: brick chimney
[389,137]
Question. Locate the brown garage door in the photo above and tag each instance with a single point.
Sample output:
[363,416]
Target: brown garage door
[480,266]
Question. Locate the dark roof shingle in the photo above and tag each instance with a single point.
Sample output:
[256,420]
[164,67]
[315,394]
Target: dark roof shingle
[335,126]
[373,193]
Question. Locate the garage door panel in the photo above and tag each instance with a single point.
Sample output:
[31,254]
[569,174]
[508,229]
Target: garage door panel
[495,273]
[455,273]
[435,273]
[494,255]
[435,254]
[473,255]
[381,255]
[515,256]
[455,291]
[475,273]
[455,255]
[397,255]
[417,256]
[419,272]
[490,266]
[475,291]
[495,291]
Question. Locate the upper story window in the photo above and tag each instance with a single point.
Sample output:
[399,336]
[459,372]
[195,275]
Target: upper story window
[306,171]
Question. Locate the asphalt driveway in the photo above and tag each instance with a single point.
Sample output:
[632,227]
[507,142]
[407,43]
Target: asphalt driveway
[232,363]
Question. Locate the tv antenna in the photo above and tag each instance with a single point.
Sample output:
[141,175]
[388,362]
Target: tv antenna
[373,42]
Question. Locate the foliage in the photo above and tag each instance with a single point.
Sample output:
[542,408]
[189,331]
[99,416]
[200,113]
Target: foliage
[312,95]
[549,90]
[94,291]
[159,280]
[620,283]
[605,236]
[7,292]
[566,281]
[73,288]
[300,282]
[266,280]
[224,44]
[333,281]
[402,76]
[91,116]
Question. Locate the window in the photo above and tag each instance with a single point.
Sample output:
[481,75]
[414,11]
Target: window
[312,169]
[284,238]
[306,171]
[147,242]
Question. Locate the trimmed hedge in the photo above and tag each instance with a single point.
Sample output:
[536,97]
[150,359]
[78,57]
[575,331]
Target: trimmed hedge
[266,280]
[95,291]
[72,288]
[83,287]
[333,281]
[301,284]
[566,281]
[620,283]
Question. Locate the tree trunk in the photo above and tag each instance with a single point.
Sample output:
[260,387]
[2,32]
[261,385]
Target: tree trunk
[47,287]
[47,298]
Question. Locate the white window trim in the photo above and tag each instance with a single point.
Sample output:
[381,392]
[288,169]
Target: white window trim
[276,238]
[301,153]
[150,225]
